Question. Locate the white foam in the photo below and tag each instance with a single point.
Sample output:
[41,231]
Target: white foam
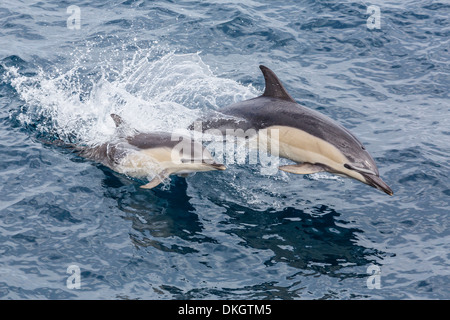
[152,91]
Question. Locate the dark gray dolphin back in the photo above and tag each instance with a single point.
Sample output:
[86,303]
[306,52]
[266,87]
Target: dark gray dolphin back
[152,140]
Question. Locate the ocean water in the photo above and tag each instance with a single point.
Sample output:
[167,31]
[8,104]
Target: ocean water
[236,234]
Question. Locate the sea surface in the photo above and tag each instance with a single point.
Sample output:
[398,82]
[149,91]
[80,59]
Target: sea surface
[65,221]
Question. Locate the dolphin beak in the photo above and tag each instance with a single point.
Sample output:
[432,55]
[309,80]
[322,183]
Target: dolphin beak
[376,182]
[217,166]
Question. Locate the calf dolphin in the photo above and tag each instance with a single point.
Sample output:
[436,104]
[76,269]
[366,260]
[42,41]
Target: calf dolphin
[141,155]
[312,140]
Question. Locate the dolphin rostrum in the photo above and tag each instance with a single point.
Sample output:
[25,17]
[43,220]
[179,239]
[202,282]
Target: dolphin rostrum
[312,140]
[156,154]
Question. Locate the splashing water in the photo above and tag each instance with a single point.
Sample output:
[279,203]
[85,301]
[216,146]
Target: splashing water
[150,90]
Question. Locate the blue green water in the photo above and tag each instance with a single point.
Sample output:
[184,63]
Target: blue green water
[236,234]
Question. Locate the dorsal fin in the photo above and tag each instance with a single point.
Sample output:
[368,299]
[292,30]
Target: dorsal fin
[117,119]
[274,88]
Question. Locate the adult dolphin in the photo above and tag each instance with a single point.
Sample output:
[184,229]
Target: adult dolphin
[312,140]
[157,154]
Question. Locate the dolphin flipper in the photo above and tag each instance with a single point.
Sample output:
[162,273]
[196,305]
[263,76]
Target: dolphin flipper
[303,168]
[156,181]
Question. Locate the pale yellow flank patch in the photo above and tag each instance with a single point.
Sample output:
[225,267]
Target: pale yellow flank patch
[144,163]
[300,146]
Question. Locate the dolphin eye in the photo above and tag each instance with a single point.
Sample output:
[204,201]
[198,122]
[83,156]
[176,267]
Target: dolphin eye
[348,166]
[362,147]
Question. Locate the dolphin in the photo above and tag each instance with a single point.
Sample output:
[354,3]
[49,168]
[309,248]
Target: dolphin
[157,154]
[314,141]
